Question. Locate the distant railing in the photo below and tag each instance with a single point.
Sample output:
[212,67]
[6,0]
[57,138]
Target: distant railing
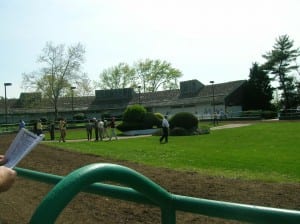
[289,114]
[142,190]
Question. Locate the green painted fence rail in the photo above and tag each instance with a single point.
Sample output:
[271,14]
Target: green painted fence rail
[141,189]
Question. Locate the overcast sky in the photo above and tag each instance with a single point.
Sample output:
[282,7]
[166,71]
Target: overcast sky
[206,40]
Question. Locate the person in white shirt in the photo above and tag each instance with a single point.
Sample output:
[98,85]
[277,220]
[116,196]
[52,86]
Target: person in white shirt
[165,130]
[101,129]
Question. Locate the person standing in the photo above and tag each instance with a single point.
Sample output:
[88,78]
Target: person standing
[21,124]
[101,129]
[89,130]
[39,128]
[215,121]
[105,126]
[52,130]
[113,129]
[165,130]
[96,129]
[63,130]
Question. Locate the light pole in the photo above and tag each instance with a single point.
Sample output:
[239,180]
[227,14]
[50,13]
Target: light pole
[213,95]
[213,101]
[139,87]
[72,89]
[5,101]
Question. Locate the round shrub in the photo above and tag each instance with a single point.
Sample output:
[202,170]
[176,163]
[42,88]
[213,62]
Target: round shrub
[150,120]
[184,120]
[79,116]
[128,126]
[159,116]
[134,113]
[178,131]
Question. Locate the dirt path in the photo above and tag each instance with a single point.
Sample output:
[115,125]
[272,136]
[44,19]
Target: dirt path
[237,125]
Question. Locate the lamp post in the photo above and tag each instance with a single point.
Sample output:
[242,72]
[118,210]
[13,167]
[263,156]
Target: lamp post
[213,101]
[213,95]
[5,101]
[72,89]
[139,87]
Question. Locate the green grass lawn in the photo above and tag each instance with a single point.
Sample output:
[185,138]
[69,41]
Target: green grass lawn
[265,151]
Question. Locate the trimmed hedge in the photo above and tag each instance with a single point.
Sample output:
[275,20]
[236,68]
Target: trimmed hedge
[137,118]
[184,120]
[184,123]
[134,113]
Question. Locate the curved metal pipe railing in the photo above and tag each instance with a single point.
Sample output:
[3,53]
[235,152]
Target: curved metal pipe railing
[142,190]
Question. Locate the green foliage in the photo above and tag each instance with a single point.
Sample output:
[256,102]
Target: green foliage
[134,113]
[127,126]
[184,120]
[79,116]
[155,74]
[258,90]
[30,100]
[179,131]
[151,120]
[136,117]
[117,77]
[61,68]
[159,116]
[281,62]
[150,75]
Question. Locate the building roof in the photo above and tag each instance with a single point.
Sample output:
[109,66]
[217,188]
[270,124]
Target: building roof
[173,97]
[201,95]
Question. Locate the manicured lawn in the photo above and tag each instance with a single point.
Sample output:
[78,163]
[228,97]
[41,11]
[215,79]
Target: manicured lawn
[268,151]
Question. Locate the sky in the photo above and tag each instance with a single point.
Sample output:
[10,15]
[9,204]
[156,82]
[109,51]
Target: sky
[212,40]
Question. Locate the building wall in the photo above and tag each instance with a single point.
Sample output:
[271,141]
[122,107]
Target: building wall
[201,111]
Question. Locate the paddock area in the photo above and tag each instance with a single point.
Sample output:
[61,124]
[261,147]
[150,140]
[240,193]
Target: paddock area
[18,204]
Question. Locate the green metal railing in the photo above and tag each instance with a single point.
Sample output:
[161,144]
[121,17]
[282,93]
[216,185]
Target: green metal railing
[142,190]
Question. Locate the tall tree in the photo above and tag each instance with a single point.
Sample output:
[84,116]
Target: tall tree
[281,63]
[60,69]
[156,74]
[258,91]
[84,86]
[117,77]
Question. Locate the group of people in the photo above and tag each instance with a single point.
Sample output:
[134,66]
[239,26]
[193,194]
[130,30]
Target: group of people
[100,128]
[38,129]
[8,175]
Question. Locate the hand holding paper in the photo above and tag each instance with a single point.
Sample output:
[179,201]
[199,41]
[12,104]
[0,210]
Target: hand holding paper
[23,143]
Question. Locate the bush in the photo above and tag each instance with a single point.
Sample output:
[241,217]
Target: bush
[184,120]
[159,116]
[79,116]
[151,120]
[134,113]
[128,126]
[136,117]
[178,131]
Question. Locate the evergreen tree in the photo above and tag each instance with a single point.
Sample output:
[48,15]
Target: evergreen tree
[259,93]
[280,63]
